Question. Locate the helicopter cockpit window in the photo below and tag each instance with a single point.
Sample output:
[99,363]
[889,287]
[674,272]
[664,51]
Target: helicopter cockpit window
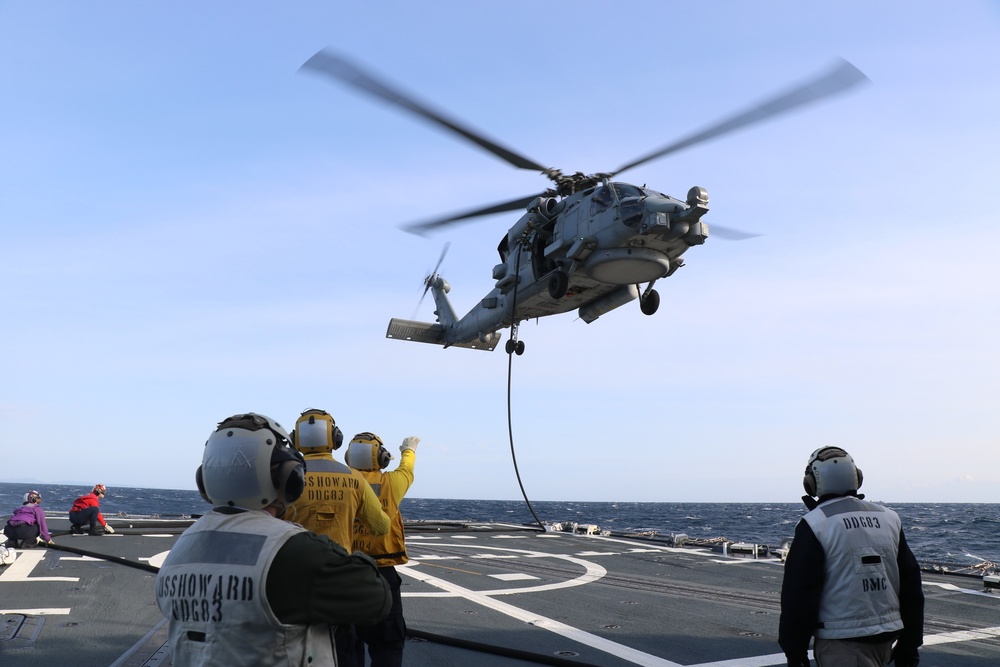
[601,200]
[624,190]
[503,249]
[631,211]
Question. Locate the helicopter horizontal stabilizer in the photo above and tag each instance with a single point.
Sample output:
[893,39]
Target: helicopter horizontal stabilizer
[425,332]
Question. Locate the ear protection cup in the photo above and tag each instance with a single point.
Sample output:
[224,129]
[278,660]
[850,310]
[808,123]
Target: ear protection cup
[201,485]
[809,482]
[338,437]
[384,456]
[288,473]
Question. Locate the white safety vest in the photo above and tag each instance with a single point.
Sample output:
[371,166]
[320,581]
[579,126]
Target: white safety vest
[212,589]
[860,594]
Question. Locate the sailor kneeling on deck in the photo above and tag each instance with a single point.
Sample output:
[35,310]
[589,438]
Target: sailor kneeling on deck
[850,578]
[240,586]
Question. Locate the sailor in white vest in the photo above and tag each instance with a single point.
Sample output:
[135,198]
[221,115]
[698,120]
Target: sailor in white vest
[850,579]
[240,586]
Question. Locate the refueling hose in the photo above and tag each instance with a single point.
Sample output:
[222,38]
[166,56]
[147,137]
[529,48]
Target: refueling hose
[510,365]
[113,559]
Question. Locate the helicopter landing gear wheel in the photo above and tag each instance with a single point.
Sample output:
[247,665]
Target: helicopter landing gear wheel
[514,347]
[650,302]
[558,284]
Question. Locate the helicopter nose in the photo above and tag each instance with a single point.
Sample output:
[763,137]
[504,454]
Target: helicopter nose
[662,205]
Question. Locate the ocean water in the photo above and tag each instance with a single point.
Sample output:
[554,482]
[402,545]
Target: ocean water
[951,533]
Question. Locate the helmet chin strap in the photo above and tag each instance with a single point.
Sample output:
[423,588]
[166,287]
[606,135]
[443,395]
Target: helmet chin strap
[280,508]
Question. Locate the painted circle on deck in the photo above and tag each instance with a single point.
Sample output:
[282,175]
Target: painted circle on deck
[592,571]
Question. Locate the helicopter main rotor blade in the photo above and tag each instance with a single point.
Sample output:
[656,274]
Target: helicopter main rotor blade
[444,251]
[840,78]
[327,63]
[420,228]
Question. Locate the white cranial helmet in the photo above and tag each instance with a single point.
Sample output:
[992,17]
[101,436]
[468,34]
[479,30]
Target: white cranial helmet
[249,462]
[831,471]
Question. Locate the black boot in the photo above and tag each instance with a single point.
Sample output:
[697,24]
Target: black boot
[96,530]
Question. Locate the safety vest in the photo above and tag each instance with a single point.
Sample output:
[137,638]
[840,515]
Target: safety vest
[334,495]
[212,589]
[860,541]
[388,549]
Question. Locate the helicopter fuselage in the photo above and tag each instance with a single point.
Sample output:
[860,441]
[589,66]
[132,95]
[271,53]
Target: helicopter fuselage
[589,251]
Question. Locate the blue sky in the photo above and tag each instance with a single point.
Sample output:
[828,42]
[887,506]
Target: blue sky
[191,228]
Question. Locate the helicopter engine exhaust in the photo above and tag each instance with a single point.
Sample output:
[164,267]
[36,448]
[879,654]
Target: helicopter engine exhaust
[546,206]
[591,311]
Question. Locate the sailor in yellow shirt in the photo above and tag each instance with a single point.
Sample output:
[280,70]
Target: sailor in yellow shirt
[334,495]
[367,454]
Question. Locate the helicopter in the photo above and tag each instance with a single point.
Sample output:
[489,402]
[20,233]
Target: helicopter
[588,243]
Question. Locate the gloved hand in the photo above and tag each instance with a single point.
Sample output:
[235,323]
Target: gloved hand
[39,541]
[904,656]
[798,661]
[409,443]
[109,530]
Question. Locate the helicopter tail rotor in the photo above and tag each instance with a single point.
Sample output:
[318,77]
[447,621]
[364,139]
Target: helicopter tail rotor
[431,277]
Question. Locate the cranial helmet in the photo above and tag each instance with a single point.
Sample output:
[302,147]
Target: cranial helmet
[831,471]
[31,497]
[249,463]
[366,452]
[316,432]
[100,490]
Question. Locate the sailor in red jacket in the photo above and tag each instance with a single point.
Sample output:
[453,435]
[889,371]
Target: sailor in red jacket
[86,510]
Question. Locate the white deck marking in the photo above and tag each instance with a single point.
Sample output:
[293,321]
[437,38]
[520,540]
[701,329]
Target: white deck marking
[514,576]
[592,572]
[755,661]
[598,553]
[54,611]
[25,563]
[487,556]
[962,636]
[618,650]
[956,589]
[511,537]
[430,557]
[464,537]
[410,538]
